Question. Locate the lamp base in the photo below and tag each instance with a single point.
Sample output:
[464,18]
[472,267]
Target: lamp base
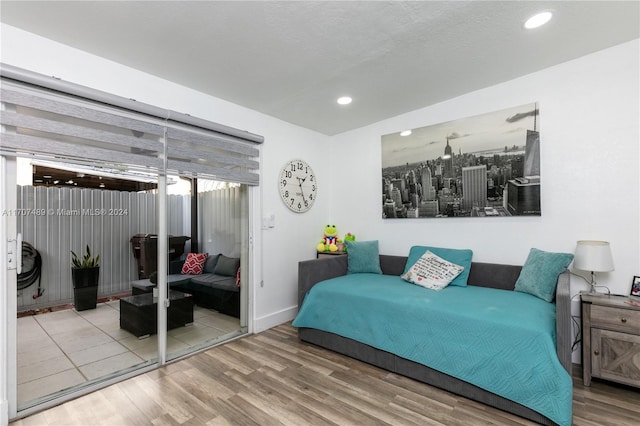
[592,290]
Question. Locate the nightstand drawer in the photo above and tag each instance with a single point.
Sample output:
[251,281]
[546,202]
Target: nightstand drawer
[615,318]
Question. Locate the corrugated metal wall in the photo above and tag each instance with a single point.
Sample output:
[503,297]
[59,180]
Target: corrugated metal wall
[57,220]
[219,221]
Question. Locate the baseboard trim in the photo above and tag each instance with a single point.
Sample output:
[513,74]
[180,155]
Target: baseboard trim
[276,318]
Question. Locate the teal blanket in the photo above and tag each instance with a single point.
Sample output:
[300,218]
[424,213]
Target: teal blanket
[501,341]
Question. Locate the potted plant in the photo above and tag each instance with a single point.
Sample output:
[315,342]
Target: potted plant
[85,272]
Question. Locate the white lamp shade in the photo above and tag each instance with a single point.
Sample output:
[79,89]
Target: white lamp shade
[594,256]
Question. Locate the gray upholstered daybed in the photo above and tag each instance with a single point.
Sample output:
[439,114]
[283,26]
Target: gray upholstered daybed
[498,276]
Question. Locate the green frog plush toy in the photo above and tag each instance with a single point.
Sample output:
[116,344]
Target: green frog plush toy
[330,240]
[349,237]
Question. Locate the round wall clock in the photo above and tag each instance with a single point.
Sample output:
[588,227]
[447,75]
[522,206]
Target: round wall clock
[297,184]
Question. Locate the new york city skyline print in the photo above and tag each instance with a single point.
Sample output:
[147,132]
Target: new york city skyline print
[486,165]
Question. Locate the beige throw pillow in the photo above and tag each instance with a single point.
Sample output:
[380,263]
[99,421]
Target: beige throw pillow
[433,272]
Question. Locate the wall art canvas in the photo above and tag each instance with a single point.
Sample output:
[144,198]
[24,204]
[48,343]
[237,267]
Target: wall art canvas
[482,166]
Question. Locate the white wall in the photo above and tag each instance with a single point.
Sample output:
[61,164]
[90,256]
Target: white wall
[589,124]
[294,236]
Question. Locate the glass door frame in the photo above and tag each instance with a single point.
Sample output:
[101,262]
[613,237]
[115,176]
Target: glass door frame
[162,262]
[8,295]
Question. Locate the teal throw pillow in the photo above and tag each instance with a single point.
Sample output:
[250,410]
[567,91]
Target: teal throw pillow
[363,257]
[540,272]
[461,257]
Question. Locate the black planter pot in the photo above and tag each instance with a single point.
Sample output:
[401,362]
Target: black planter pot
[85,287]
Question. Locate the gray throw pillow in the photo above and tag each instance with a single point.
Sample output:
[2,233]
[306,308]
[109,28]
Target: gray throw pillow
[227,266]
[210,264]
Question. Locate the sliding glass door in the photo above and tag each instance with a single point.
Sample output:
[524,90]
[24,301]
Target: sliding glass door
[110,241]
[70,330]
[205,288]
[72,335]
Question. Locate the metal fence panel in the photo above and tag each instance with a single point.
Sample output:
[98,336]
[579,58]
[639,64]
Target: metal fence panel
[219,221]
[57,220]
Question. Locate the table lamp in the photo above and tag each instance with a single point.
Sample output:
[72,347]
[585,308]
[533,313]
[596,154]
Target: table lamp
[593,256]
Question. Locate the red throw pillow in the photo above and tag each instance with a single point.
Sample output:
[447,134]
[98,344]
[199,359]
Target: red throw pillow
[194,263]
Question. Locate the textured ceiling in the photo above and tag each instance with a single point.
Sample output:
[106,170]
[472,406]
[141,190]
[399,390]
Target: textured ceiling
[291,60]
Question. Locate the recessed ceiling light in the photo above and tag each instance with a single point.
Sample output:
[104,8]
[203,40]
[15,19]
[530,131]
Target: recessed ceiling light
[405,133]
[344,100]
[538,20]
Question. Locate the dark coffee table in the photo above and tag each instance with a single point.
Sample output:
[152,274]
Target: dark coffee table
[138,314]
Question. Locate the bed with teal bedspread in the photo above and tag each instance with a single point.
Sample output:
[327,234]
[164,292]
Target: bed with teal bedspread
[499,340]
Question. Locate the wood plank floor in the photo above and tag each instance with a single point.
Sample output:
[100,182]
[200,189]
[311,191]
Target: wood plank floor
[272,378]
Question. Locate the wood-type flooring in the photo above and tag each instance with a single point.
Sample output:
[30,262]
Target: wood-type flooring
[272,378]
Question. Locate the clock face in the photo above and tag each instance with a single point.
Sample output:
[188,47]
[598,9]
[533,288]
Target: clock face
[298,187]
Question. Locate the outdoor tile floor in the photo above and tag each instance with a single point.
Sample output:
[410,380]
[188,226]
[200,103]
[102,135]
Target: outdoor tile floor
[62,349]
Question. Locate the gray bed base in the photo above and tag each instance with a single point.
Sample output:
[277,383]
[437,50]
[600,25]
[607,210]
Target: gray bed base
[492,275]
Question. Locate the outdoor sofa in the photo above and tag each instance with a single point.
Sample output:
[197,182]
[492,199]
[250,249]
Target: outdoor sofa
[216,288]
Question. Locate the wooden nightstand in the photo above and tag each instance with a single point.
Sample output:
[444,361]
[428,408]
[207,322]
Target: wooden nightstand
[610,339]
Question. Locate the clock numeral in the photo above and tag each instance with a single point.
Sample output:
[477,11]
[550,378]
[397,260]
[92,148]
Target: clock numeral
[313,187]
[311,178]
[299,206]
[306,203]
[293,200]
[288,174]
[311,196]
[286,194]
[284,182]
